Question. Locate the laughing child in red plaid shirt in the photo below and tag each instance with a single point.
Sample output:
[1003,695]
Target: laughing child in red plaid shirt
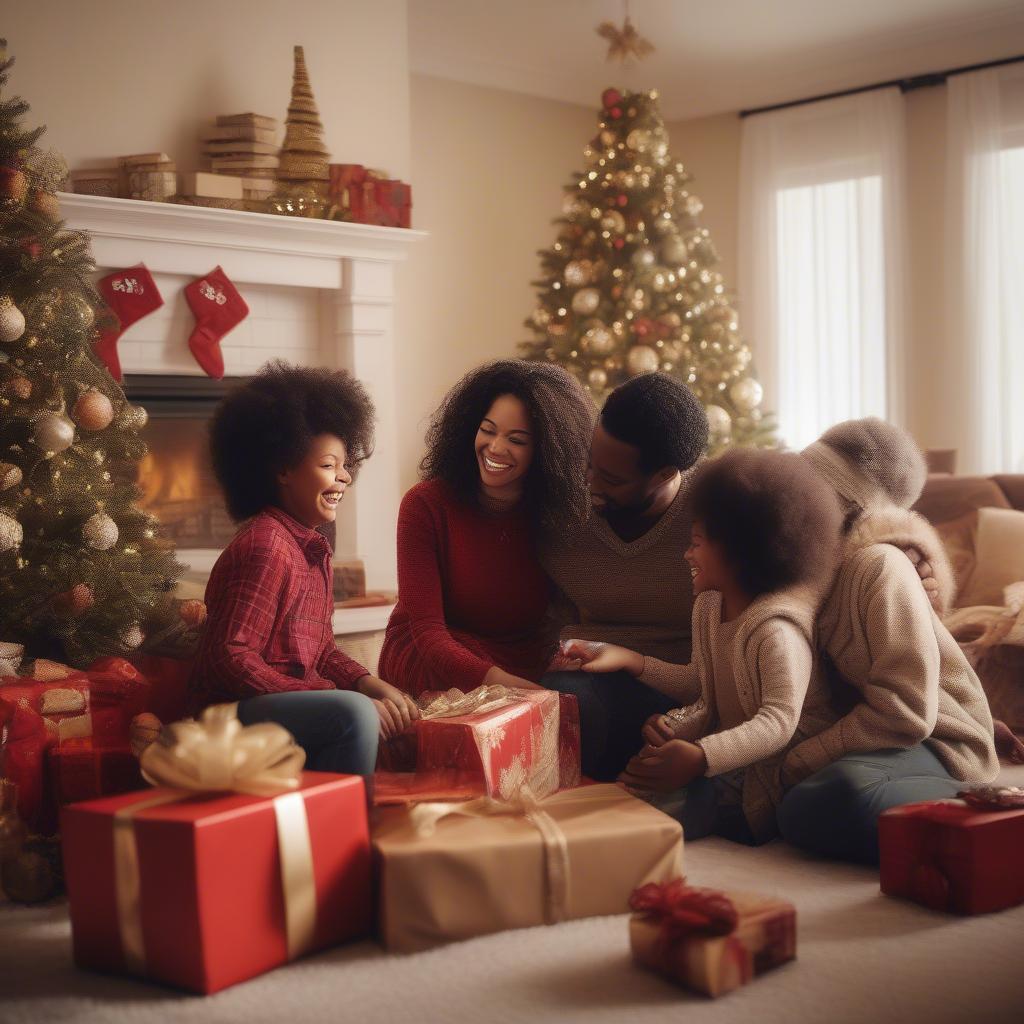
[285,448]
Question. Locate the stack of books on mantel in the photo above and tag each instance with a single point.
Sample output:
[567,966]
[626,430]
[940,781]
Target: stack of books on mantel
[243,146]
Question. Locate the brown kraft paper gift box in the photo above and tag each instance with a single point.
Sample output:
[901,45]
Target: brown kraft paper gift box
[480,874]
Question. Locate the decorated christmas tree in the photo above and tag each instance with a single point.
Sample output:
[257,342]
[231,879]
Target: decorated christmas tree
[83,571]
[630,284]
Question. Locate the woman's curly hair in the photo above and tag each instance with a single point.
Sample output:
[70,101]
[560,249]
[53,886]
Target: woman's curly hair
[561,419]
[778,522]
[267,424]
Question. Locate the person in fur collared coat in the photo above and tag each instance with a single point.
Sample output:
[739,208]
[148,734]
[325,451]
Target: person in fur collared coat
[917,725]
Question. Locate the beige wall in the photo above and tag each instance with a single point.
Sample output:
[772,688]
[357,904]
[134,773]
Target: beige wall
[488,169]
[110,77]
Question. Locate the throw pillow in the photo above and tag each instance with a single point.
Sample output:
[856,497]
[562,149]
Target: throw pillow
[999,556]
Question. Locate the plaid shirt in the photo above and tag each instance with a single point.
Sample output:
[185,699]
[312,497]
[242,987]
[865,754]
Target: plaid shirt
[269,601]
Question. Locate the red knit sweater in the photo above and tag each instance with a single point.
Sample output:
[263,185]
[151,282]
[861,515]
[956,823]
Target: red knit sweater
[471,594]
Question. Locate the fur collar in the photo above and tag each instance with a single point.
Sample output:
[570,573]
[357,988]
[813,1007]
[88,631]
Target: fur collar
[904,529]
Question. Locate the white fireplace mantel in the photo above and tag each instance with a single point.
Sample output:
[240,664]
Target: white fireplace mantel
[352,268]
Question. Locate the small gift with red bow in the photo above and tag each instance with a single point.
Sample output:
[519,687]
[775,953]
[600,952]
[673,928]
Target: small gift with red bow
[707,940]
[961,856]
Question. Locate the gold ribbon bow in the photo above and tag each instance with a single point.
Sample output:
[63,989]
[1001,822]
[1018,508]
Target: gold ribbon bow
[215,754]
[455,702]
[425,817]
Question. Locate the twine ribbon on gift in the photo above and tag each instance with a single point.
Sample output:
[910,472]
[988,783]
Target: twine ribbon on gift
[454,703]
[219,754]
[524,803]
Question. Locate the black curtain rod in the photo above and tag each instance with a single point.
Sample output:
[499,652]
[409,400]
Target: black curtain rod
[904,85]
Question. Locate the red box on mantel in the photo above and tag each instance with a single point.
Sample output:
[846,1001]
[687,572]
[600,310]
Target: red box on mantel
[949,856]
[191,891]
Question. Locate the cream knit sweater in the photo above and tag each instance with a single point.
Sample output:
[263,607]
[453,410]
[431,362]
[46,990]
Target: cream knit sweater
[779,687]
[883,638]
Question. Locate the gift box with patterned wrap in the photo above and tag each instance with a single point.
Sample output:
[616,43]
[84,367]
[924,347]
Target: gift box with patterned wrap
[955,857]
[257,866]
[706,940]
[452,871]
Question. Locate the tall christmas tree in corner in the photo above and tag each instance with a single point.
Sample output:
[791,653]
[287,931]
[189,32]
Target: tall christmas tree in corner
[630,284]
[83,571]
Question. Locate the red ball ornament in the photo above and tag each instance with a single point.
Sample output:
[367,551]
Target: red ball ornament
[611,98]
[616,292]
[616,112]
[93,410]
[80,598]
[619,243]
[20,387]
[622,200]
[192,613]
[31,249]
[641,329]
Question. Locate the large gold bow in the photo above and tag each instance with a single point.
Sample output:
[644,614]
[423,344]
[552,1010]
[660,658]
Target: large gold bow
[455,702]
[219,753]
[424,818]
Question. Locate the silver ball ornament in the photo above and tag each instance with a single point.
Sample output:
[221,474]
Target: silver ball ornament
[132,636]
[586,301]
[100,532]
[600,341]
[578,272]
[719,422]
[11,533]
[642,359]
[597,379]
[10,475]
[53,432]
[12,320]
[746,393]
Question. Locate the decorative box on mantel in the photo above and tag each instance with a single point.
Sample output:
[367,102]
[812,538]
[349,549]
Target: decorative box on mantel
[319,293]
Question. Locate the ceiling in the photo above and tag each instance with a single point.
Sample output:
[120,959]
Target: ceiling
[712,55]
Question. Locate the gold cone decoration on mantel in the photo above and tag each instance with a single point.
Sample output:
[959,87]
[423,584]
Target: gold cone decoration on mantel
[303,156]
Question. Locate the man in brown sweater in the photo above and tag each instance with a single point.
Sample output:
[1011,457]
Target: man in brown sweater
[623,577]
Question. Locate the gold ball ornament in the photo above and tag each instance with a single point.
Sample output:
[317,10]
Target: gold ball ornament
[638,139]
[586,301]
[693,206]
[46,204]
[132,417]
[746,393]
[53,432]
[558,330]
[10,475]
[192,613]
[641,359]
[597,379]
[20,387]
[541,316]
[719,422]
[614,222]
[12,320]
[644,258]
[78,311]
[13,187]
[11,533]
[600,341]
[578,273]
[132,636]
[673,250]
[27,878]
[100,532]
[144,730]
[93,410]
[608,137]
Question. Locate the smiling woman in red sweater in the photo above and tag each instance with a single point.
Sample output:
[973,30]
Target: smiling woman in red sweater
[505,460]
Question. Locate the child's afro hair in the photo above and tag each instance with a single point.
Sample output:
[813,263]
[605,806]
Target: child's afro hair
[777,521]
[266,425]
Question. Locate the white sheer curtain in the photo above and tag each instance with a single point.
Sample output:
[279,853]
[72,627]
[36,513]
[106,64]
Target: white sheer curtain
[986,262]
[821,241]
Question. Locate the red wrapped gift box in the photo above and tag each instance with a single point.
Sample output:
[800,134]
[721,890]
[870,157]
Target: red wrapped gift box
[221,881]
[949,856]
[23,763]
[84,770]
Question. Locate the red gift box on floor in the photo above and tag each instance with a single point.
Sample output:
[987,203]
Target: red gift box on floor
[950,856]
[709,941]
[204,891]
[23,762]
[82,770]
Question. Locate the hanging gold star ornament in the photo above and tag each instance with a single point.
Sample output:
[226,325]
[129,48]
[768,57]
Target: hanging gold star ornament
[624,44]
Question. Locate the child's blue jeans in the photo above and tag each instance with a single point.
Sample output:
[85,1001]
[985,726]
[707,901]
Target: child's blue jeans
[834,813]
[338,729]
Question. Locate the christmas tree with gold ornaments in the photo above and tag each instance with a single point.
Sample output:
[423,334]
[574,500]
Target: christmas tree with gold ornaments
[630,286]
[83,570]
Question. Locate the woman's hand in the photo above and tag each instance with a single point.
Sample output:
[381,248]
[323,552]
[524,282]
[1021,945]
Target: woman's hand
[658,730]
[662,769]
[600,657]
[396,709]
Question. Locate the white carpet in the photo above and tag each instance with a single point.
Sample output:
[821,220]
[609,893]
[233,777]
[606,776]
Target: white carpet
[861,958]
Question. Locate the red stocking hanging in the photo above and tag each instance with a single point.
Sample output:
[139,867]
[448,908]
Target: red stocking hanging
[218,308]
[131,294]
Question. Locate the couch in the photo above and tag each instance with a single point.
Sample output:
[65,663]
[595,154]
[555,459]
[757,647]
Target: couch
[981,523]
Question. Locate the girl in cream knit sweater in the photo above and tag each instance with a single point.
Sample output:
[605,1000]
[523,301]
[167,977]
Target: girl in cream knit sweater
[763,548]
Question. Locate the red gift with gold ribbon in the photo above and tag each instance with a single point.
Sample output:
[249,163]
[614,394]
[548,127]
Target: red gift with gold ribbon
[241,864]
[707,940]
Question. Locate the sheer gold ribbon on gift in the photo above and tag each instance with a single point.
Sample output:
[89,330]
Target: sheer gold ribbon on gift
[219,754]
[453,702]
[424,818]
